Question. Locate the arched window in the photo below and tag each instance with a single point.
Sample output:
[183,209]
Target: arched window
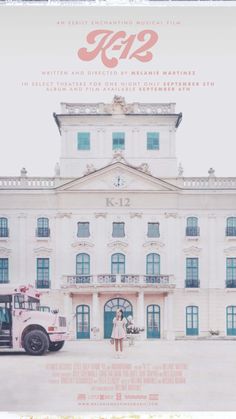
[231,226]
[118,263]
[153,321]
[192,273]
[192,228]
[4,274]
[110,311]
[82,264]
[83,321]
[231,320]
[3,227]
[153,264]
[231,272]
[43,227]
[43,273]
[192,321]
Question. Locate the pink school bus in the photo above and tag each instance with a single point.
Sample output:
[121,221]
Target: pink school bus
[24,326]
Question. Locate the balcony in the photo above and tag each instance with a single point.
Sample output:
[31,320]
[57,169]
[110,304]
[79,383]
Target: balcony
[192,231]
[231,283]
[105,279]
[4,232]
[117,280]
[230,231]
[192,283]
[43,232]
[156,279]
[42,284]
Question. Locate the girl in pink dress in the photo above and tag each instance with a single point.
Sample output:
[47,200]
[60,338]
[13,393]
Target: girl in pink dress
[119,331]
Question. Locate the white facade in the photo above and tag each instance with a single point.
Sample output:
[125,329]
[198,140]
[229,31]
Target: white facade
[140,187]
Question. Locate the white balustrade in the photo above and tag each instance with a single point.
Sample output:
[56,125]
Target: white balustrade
[182,182]
[27,182]
[206,182]
[111,279]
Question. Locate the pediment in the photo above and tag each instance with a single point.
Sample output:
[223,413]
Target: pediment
[43,251]
[230,251]
[4,251]
[193,250]
[118,177]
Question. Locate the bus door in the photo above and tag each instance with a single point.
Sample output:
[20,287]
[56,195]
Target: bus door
[6,321]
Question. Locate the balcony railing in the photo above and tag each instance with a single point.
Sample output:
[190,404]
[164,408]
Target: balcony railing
[192,283]
[231,283]
[4,279]
[78,279]
[106,279]
[4,232]
[130,279]
[192,231]
[230,231]
[156,279]
[112,279]
[43,232]
[42,284]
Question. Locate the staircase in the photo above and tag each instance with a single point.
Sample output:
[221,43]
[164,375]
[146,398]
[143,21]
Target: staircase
[5,339]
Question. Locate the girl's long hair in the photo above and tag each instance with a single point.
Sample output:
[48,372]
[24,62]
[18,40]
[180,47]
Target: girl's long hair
[122,313]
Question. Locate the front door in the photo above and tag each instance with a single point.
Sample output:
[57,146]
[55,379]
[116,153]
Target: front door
[5,321]
[110,312]
[231,320]
[83,322]
[153,321]
[192,321]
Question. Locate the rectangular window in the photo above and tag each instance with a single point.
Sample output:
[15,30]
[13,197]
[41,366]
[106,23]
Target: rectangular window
[43,273]
[231,272]
[192,228]
[153,230]
[83,141]
[118,230]
[192,272]
[118,140]
[43,227]
[4,270]
[231,226]
[83,230]
[3,227]
[152,140]
[44,308]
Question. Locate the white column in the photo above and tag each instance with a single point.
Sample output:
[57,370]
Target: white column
[100,263]
[21,271]
[63,259]
[135,144]
[209,264]
[168,317]
[95,323]
[68,311]
[140,310]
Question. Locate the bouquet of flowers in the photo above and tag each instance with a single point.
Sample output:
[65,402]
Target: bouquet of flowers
[131,328]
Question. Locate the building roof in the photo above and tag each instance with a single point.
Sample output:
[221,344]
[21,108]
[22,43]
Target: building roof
[117,107]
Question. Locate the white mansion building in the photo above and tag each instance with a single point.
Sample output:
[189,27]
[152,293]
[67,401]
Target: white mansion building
[120,226]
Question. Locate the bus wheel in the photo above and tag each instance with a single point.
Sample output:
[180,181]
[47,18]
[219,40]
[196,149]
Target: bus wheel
[56,346]
[36,342]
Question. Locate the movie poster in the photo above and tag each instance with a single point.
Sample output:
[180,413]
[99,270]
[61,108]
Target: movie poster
[55,59]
